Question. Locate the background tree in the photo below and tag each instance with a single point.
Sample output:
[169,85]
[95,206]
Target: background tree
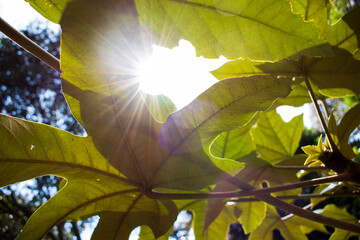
[31,90]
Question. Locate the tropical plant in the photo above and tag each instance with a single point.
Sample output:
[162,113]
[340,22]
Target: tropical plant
[227,156]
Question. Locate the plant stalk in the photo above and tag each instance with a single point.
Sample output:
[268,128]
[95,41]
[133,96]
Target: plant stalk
[29,45]
[246,192]
[307,168]
[300,196]
[297,210]
[332,146]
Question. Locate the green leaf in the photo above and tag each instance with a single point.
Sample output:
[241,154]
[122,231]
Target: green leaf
[233,144]
[341,135]
[291,228]
[343,34]
[218,229]
[160,106]
[255,172]
[93,185]
[252,214]
[33,150]
[323,72]
[113,225]
[349,122]
[341,214]
[51,10]
[233,29]
[147,234]
[326,73]
[275,139]
[243,68]
[107,101]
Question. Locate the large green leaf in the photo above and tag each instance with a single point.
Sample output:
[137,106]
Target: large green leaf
[325,73]
[93,185]
[274,139]
[233,29]
[30,150]
[343,34]
[291,228]
[340,71]
[341,214]
[50,9]
[242,68]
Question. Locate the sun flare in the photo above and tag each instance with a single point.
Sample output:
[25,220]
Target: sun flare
[177,73]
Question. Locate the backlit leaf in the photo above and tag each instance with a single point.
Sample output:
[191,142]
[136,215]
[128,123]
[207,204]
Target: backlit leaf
[217,229]
[275,139]
[233,29]
[50,9]
[343,34]
[93,185]
[159,106]
[290,228]
[341,214]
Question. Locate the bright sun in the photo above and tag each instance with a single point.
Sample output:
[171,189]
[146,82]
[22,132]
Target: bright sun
[178,73]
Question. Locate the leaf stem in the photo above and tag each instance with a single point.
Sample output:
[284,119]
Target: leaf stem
[307,168]
[297,210]
[29,45]
[321,117]
[247,192]
[324,106]
[301,196]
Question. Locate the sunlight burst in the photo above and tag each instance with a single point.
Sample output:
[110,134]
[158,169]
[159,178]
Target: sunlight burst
[178,73]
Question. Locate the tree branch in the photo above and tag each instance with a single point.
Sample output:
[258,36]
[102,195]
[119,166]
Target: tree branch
[29,45]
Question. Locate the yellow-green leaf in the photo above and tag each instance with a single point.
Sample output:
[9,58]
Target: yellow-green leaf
[275,139]
[341,214]
[233,29]
[290,228]
[50,9]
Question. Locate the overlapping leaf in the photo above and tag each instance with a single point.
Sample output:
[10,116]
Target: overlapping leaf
[325,73]
[343,34]
[276,140]
[233,29]
[93,185]
[218,229]
[335,212]
[50,9]
[341,133]
[256,171]
[291,228]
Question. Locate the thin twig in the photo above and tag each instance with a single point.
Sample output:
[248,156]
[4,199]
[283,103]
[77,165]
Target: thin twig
[332,146]
[324,106]
[300,196]
[29,45]
[307,168]
[284,218]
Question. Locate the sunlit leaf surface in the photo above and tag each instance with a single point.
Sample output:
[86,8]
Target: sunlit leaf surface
[291,228]
[251,28]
